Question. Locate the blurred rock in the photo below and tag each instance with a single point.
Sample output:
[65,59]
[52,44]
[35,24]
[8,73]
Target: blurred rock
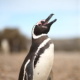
[17,41]
[5,46]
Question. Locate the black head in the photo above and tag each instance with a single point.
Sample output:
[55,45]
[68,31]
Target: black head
[43,26]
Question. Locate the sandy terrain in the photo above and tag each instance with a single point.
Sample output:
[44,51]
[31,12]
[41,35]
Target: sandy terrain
[66,66]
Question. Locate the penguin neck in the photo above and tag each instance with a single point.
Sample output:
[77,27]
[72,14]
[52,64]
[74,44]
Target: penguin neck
[39,39]
[34,36]
[38,36]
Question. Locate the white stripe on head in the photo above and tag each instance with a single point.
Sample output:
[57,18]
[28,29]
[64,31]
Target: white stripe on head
[25,69]
[36,36]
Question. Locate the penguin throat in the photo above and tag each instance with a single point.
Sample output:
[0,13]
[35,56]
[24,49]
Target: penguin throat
[34,36]
[38,36]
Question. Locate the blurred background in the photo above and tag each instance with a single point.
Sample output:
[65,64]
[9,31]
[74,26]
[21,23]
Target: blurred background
[17,17]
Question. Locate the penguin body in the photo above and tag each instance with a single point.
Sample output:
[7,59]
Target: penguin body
[44,64]
[39,61]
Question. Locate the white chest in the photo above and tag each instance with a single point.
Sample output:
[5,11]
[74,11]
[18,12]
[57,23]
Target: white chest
[44,65]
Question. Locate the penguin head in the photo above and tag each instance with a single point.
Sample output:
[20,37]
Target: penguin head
[43,26]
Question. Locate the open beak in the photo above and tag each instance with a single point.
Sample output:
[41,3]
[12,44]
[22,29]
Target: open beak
[47,20]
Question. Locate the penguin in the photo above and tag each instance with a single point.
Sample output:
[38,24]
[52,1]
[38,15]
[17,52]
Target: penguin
[38,64]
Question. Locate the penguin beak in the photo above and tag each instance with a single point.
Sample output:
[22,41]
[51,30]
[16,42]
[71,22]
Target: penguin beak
[47,20]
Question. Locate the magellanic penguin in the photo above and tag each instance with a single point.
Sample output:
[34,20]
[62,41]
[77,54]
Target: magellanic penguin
[39,61]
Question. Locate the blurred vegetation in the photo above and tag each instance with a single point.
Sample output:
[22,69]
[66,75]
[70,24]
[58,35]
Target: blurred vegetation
[67,44]
[19,42]
[16,40]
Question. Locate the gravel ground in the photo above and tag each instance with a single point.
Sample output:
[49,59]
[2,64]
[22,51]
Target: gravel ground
[66,66]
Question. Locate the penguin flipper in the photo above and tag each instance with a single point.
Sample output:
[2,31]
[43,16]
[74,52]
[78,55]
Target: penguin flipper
[30,71]
[25,76]
[26,72]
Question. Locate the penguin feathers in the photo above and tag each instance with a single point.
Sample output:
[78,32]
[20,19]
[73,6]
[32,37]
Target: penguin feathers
[39,61]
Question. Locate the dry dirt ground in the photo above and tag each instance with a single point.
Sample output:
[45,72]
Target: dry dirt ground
[66,66]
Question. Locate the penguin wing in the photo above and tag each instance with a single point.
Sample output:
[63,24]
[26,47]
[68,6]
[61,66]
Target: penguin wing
[30,71]
[23,75]
[26,72]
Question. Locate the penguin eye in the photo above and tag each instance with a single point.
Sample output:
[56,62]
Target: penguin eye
[42,22]
[39,24]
